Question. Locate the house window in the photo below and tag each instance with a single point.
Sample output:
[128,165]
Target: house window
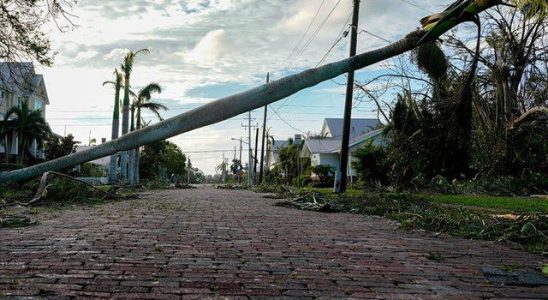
[37,104]
[19,101]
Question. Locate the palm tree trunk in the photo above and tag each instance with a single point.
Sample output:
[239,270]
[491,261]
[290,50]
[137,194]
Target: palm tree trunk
[8,146]
[21,150]
[125,129]
[220,109]
[131,154]
[115,130]
[137,150]
[112,166]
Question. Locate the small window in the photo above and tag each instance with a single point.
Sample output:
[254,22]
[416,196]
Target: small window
[37,104]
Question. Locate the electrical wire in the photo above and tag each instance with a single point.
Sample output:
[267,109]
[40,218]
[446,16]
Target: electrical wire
[306,32]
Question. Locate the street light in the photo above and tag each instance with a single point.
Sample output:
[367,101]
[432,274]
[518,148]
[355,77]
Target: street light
[241,141]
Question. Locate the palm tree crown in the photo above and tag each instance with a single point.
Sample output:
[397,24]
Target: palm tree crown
[143,101]
[31,126]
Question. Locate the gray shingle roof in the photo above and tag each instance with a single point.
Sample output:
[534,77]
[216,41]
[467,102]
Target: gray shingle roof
[16,77]
[323,145]
[21,78]
[363,137]
[357,126]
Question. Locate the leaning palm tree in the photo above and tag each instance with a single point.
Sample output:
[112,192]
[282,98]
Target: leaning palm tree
[143,101]
[115,121]
[127,67]
[231,106]
[31,126]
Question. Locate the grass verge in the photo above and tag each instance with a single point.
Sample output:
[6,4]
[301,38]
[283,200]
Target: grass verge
[528,230]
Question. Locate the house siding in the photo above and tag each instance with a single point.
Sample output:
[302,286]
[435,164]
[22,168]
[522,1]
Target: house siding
[14,95]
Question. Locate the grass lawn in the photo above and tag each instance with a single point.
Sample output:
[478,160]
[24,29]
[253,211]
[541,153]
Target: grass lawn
[505,204]
[514,204]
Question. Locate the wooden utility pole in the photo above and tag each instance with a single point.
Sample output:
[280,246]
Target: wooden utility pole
[341,186]
[261,167]
[256,160]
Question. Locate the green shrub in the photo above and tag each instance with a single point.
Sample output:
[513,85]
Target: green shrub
[371,164]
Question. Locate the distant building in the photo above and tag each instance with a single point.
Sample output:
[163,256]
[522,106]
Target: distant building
[326,148]
[103,162]
[274,152]
[19,83]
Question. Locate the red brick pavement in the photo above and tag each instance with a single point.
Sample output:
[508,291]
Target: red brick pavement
[207,243]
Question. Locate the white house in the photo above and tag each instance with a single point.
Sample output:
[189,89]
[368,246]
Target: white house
[326,149]
[19,83]
[274,152]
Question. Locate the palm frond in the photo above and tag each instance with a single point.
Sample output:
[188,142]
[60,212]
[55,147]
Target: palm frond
[146,92]
[532,8]
[154,108]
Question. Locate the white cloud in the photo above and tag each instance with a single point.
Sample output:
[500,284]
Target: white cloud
[209,49]
[86,55]
[117,53]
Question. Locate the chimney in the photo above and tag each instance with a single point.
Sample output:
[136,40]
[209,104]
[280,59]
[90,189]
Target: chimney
[103,140]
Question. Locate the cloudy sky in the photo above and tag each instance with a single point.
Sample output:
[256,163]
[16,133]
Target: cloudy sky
[202,50]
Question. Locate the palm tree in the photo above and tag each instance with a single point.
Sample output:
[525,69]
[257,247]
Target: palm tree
[127,67]
[224,108]
[31,126]
[115,121]
[143,101]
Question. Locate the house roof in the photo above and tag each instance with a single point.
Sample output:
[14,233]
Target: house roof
[21,78]
[327,145]
[279,144]
[333,127]
[364,137]
[333,145]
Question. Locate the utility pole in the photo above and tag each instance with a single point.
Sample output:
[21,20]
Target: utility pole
[189,165]
[240,150]
[261,167]
[256,160]
[223,175]
[250,150]
[340,187]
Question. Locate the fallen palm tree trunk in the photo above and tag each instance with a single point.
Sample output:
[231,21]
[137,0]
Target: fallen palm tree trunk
[218,110]
[230,106]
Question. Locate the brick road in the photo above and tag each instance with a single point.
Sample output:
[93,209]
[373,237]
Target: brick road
[208,243]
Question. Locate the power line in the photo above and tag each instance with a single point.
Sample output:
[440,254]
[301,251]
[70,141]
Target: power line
[306,32]
[416,6]
[288,100]
[318,29]
[376,35]
[337,40]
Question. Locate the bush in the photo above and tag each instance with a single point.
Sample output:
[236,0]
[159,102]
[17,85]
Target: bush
[91,170]
[302,180]
[371,164]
